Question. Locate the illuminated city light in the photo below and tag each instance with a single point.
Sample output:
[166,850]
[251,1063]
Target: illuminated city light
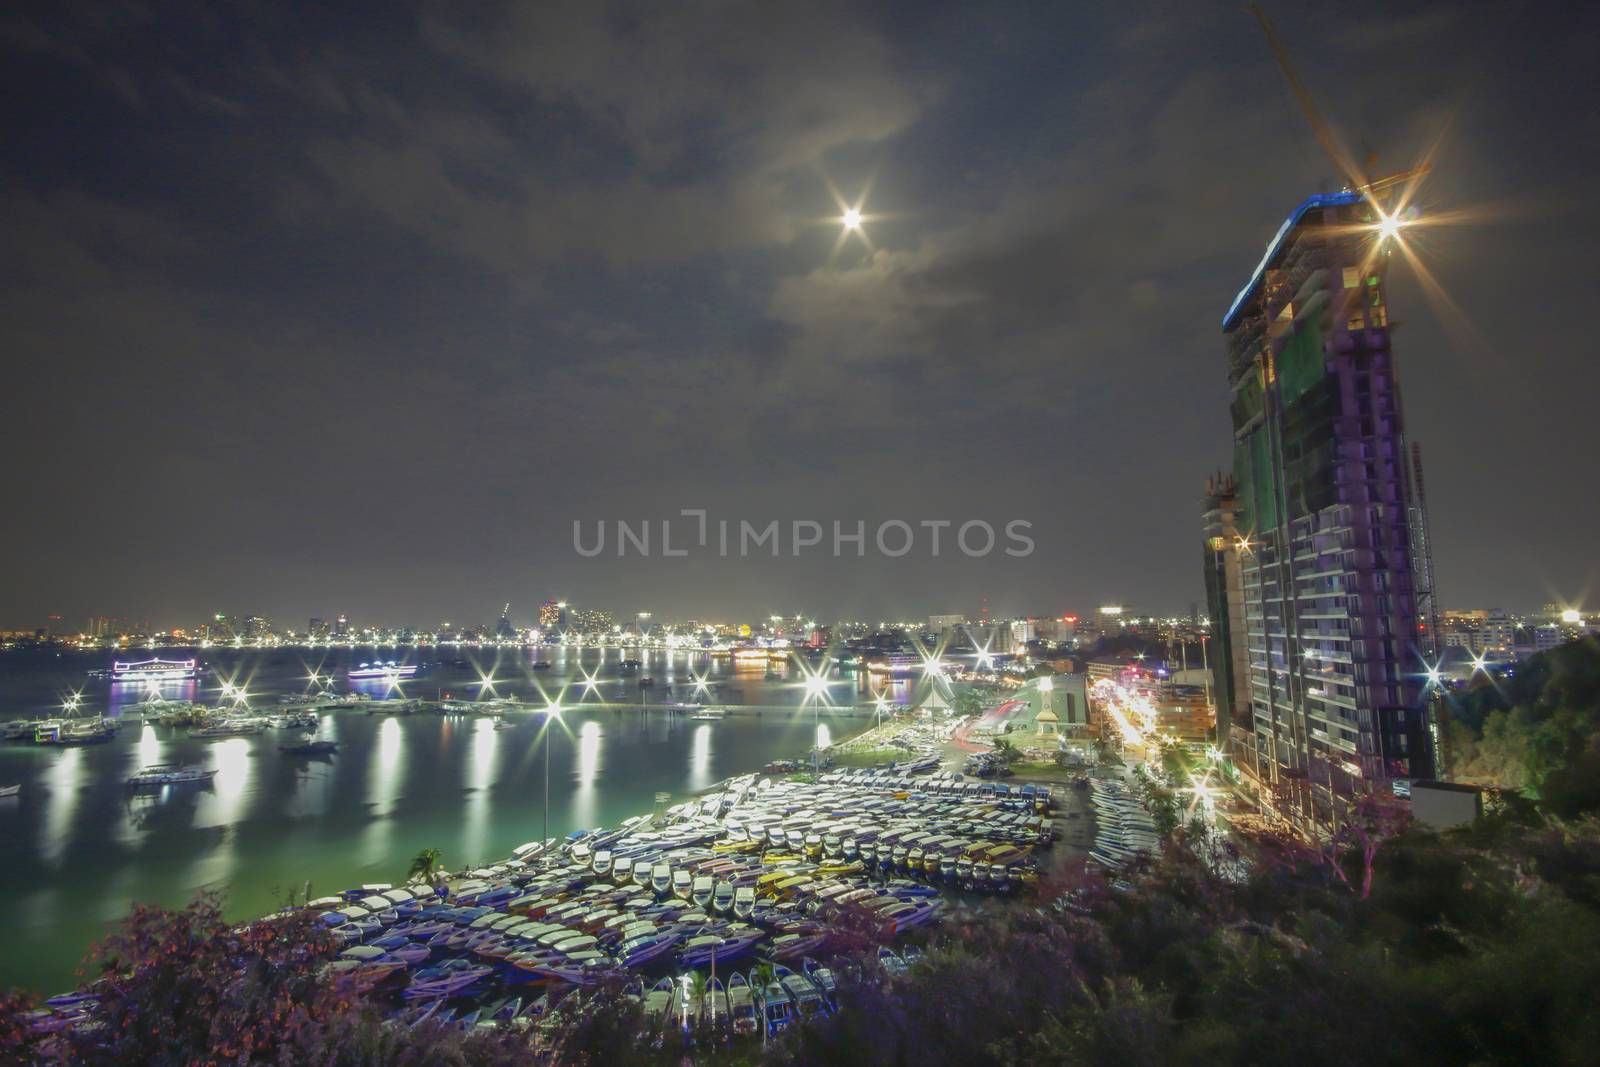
[1389,227]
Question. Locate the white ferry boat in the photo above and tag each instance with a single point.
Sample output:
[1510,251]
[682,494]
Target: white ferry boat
[160,774]
[381,671]
[153,670]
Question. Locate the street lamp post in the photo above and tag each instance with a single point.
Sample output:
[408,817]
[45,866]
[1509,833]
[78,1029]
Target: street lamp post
[816,690]
[546,837]
[551,710]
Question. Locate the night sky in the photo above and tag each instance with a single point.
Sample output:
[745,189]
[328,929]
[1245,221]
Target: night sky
[316,311]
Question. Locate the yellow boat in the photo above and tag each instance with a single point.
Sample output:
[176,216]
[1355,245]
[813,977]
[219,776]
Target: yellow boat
[1003,855]
[782,857]
[770,879]
[735,846]
[788,886]
[853,867]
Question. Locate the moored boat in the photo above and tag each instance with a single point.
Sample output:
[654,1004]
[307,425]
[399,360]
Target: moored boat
[161,774]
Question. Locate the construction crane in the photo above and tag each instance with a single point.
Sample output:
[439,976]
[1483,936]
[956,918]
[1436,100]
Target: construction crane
[1355,175]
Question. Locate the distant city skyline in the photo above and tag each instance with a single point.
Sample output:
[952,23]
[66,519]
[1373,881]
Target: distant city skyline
[300,622]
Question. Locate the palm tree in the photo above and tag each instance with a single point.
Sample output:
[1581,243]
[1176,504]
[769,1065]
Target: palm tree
[699,986]
[425,867]
[763,974]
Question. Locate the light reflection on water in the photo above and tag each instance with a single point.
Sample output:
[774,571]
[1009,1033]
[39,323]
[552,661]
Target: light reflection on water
[700,758]
[385,777]
[150,746]
[124,699]
[220,809]
[583,798]
[63,782]
[224,804]
[480,775]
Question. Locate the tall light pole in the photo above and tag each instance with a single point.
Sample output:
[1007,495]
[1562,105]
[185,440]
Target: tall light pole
[546,835]
[551,711]
[816,690]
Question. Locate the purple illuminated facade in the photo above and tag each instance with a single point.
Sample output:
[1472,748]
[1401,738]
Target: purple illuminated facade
[1318,594]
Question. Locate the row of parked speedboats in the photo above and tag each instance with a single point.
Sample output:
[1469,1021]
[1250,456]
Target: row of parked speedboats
[975,836]
[752,884]
[696,907]
[756,870]
[1123,829]
[776,996]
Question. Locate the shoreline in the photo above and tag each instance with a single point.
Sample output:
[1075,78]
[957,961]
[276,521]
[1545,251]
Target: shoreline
[849,720]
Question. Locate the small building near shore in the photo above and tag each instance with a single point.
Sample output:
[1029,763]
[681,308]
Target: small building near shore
[1445,805]
[936,704]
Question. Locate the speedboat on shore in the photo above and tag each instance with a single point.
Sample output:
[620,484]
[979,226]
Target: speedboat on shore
[741,1005]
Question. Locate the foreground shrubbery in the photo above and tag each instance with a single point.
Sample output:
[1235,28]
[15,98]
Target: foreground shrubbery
[1473,947]
[1536,731]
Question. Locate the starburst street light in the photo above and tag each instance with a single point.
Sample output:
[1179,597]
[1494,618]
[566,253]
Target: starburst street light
[591,683]
[816,686]
[851,218]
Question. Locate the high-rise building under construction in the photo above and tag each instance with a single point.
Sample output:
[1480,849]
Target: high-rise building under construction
[1315,545]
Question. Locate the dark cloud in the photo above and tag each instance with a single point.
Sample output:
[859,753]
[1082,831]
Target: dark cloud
[359,309]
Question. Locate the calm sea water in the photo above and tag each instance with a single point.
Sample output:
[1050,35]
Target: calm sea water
[76,848]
